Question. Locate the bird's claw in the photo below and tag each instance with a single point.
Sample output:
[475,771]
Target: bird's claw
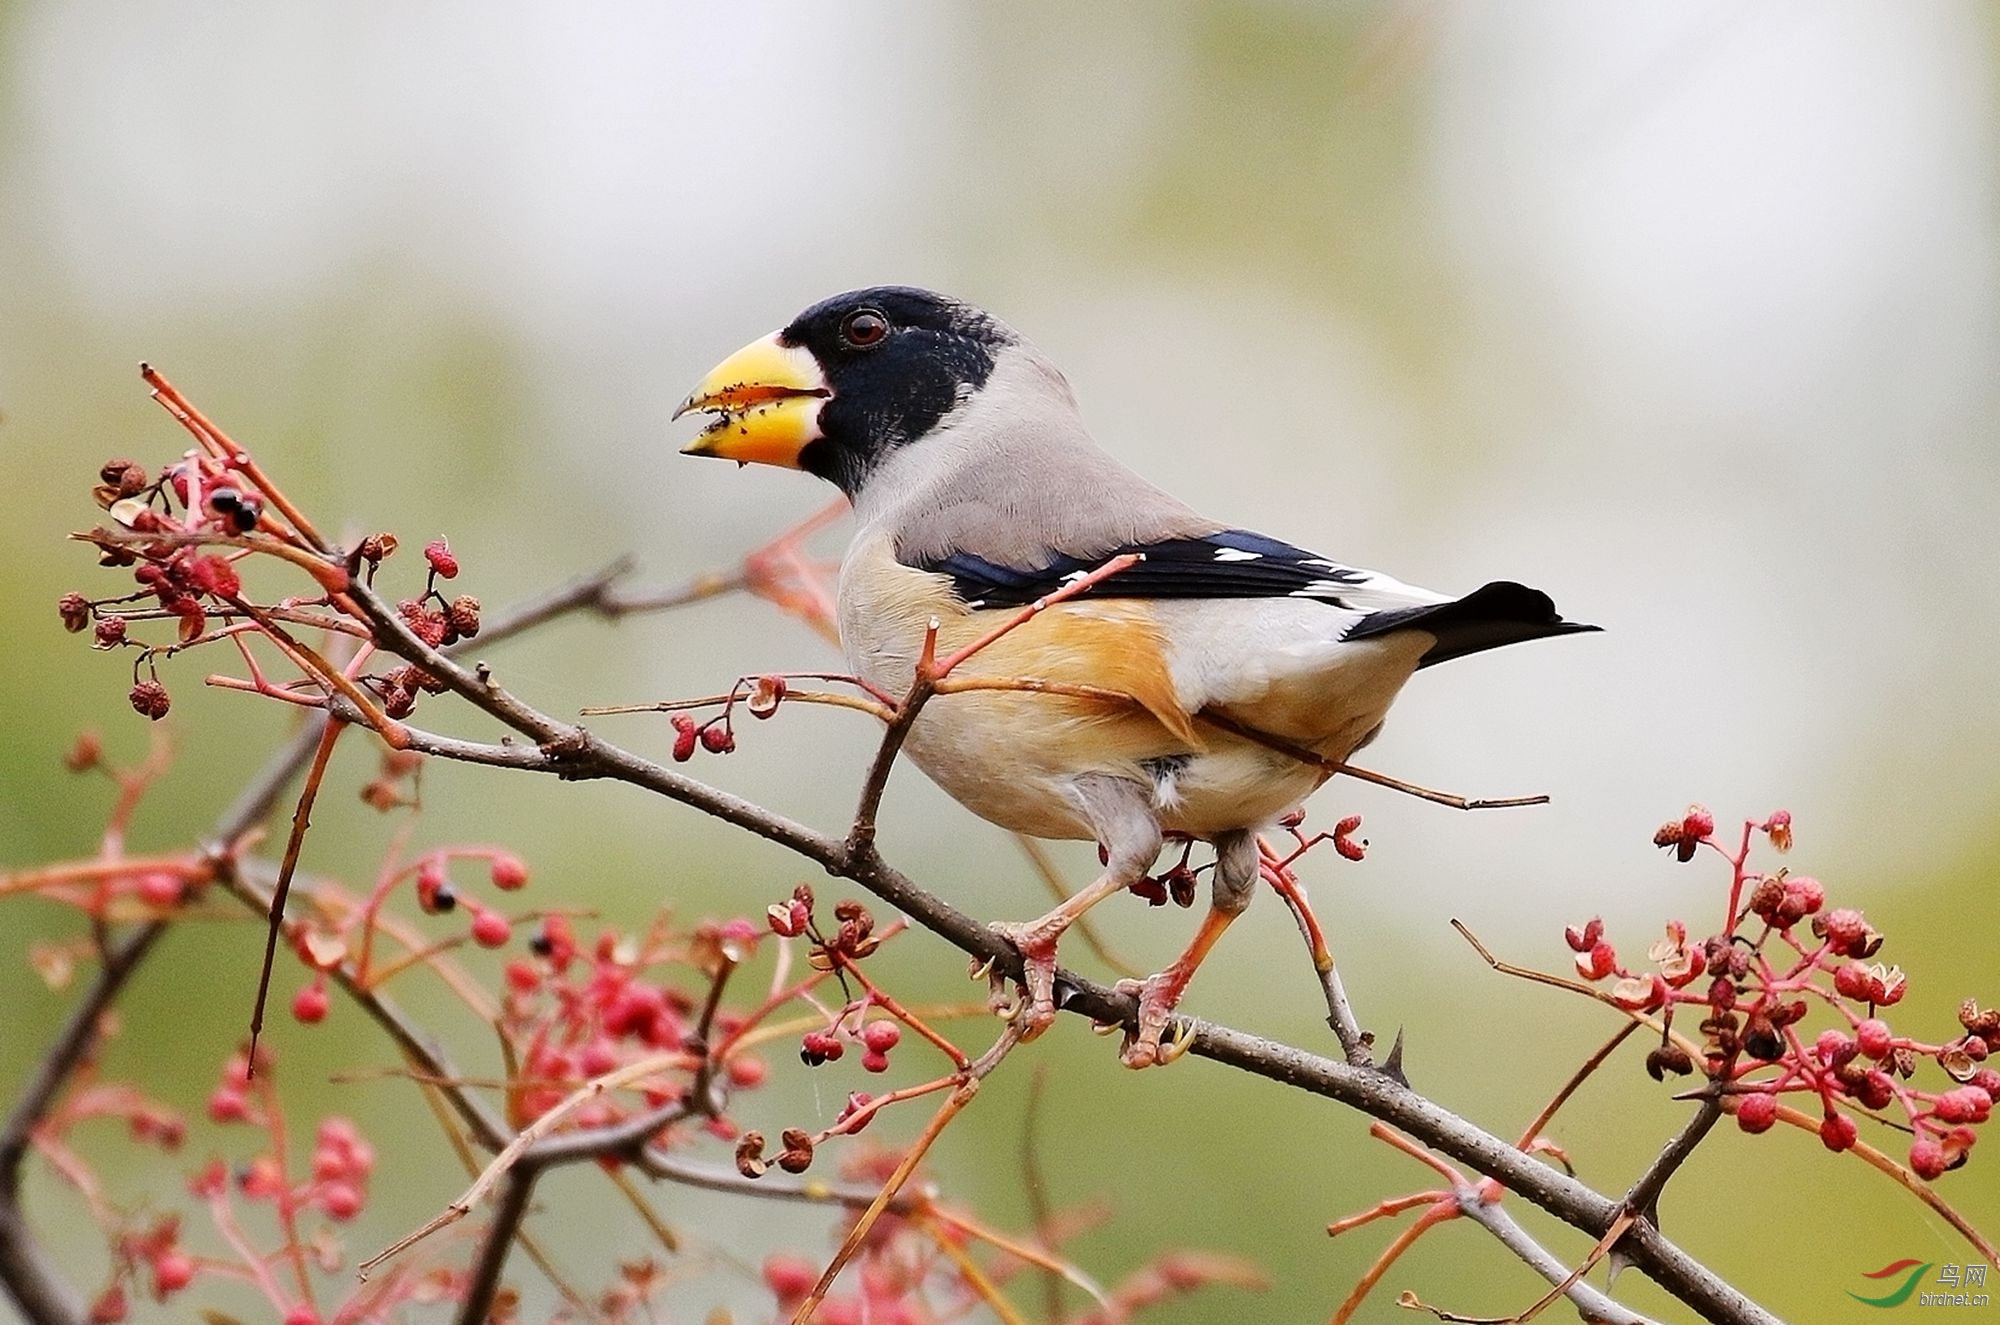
[1160,1037]
[1037,946]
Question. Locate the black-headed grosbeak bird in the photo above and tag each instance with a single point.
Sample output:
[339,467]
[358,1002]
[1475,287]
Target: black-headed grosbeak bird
[977,490]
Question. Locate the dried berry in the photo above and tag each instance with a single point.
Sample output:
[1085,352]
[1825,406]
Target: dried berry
[149,698]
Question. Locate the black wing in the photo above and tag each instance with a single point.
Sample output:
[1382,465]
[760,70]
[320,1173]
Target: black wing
[1231,564]
[1236,563]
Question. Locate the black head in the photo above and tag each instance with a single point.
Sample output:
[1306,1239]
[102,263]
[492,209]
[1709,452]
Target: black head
[887,365]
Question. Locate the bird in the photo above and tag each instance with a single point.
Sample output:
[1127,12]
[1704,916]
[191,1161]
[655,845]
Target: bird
[1213,683]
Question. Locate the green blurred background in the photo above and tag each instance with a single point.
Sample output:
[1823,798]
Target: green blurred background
[1688,313]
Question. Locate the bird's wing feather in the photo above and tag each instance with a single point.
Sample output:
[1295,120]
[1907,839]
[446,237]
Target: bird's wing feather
[1228,563]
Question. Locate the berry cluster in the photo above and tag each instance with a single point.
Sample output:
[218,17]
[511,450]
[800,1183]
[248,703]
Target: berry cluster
[1755,984]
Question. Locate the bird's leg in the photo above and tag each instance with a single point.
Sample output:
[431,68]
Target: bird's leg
[1236,874]
[1121,814]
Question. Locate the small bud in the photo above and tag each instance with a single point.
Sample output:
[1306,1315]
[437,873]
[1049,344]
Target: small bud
[491,930]
[1927,1159]
[340,1200]
[874,1062]
[149,699]
[509,872]
[443,564]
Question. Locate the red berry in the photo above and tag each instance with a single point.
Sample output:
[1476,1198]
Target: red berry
[717,739]
[875,1062]
[684,743]
[1874,1037]
[1804,895]
[228,1106]
[1927,1159]
[158,888]
[438,554]
[1698,823]
[746,1071]
[790,1277]
[1851,981]
[490,929]
[1967,1104]
[509,872]
[1838,1132]
[881,1036]
[1834,1047]
[340,1200]
[1756,1113]
[309,1005]
[171,1273]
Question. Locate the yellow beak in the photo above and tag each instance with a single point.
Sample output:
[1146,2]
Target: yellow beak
[766,399]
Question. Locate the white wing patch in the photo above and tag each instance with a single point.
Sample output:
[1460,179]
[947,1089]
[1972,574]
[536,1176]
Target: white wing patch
[1237,554]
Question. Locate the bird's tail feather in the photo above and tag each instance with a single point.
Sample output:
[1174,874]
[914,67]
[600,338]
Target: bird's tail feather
[1499,613]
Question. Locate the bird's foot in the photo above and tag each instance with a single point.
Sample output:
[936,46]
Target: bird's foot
[1160,1037]
[1036,942]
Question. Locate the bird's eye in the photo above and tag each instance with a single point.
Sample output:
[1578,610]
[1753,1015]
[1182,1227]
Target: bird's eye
[864,327]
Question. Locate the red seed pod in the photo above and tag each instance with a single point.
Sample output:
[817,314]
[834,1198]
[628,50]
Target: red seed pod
[1779,828]
[340,1200]
[110,632]
[765,696]
[790,1278]
[490,929]
[310,1004]
[1838,1132]
[716,738]
[881,1036]
[172,1272]
[1697,823]
[684,743]
[438,553]
[75,611]
[149,699]
[874,1062]
[214,575]
[463,614]
[1873,1038]
[1584,937]
[1927,1159]
[126,478]
[1756,1113]
[509,872]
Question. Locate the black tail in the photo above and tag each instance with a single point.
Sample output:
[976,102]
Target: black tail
[1500,613]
